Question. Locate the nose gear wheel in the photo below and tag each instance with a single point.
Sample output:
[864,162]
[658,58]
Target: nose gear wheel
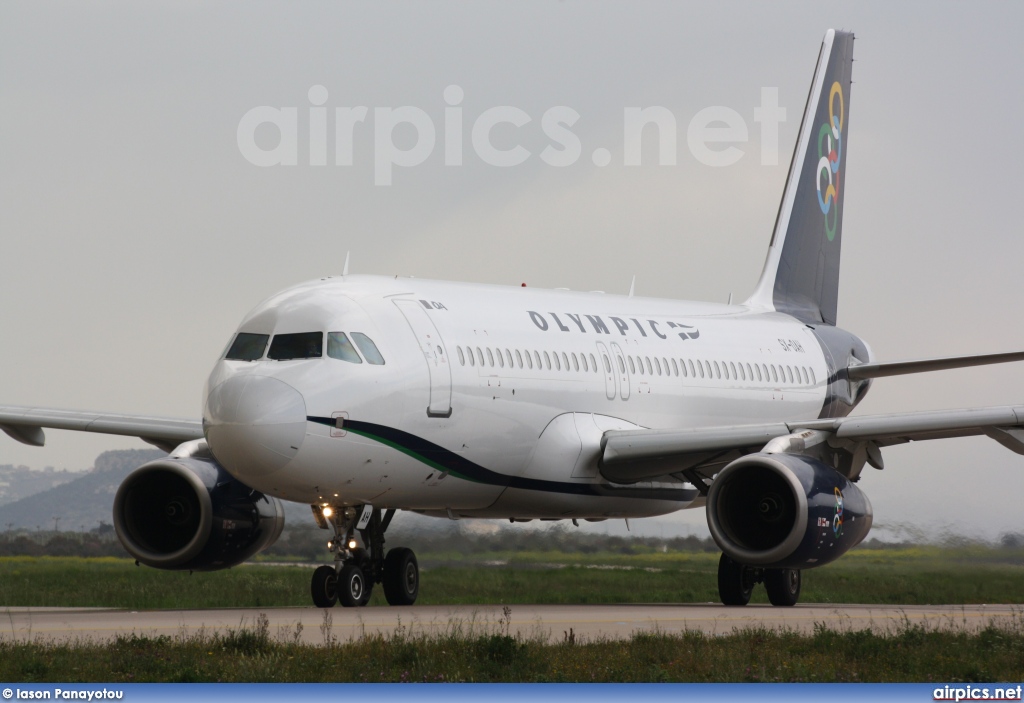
[357,568]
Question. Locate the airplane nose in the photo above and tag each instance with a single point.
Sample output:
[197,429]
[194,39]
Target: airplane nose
[254,424]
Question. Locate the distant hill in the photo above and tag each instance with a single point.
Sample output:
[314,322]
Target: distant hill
[81,503]
[86,499]
[17,482]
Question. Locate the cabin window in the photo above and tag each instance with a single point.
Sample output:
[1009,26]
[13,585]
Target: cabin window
[789,374]
[657,365]
[479,356]
[519,358]
[583,358]
[718,371]
[775,375]
[303,345]
[501,359]
[732,367]
[743,372]
[547,361]
[462,357]
[529,359]
[682,365]
[622,366]
[369,349]
[593,362]
[725,370]
[247,347]
[632,366]
[558,362]
[575,363]
[675,368]
[690,364]
[472,359]
[814,381]
[607,364]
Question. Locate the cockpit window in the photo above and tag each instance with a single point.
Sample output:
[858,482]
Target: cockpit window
[338,347]
[369,349]
[247,347]
[304,345]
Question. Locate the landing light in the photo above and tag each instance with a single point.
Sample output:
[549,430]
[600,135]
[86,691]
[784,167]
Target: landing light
[328,512]
[352,544]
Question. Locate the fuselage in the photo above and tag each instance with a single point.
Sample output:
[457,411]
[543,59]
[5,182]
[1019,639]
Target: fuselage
[487,401]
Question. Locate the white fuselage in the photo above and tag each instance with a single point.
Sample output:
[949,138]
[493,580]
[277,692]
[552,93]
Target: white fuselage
[492,400]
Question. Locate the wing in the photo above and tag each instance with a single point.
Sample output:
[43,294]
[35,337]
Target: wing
[633,455]
[26,425]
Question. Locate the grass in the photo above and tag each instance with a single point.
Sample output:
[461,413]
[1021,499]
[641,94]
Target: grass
[893,577]
[252,653]
[910,653]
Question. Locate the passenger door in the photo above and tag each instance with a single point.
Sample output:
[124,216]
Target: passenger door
[434,353]
[620,362]
[607,365]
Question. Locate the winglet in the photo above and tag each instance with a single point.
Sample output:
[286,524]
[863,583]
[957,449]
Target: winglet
[344,271]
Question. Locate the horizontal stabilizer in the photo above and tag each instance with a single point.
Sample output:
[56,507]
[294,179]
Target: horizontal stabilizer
[898,368]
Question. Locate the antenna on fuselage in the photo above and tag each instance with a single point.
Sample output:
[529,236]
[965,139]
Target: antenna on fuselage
[632,286]
[344,271]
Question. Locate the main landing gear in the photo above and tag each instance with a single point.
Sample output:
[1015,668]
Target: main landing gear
[350,581]
[736,582]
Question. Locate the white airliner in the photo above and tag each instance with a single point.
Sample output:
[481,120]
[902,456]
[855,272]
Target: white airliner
[363,395]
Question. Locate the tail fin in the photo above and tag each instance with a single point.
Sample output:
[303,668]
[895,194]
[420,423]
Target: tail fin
[801,273]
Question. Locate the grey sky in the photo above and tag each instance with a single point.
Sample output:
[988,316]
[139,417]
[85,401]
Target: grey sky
[136,236]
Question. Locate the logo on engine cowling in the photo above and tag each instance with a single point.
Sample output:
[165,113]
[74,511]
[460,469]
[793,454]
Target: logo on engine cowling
[837,521]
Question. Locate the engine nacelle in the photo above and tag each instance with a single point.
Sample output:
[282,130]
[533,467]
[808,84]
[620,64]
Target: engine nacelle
[785,511]
[189,513]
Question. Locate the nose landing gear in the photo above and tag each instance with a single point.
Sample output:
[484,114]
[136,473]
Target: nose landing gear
[357,569]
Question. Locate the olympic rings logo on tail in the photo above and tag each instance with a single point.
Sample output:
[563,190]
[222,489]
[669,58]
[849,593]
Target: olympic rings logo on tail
[830,154]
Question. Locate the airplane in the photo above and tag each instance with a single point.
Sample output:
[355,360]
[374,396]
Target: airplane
[364,395]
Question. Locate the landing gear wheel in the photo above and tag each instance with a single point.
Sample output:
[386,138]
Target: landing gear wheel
[401,577]
[735,582]
[324,587]
[353,587]
[783,586]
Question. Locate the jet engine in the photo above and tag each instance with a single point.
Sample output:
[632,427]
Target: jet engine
[187,512]
[785,511]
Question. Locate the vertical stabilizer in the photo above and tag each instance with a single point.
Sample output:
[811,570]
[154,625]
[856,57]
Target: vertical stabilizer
[801,273]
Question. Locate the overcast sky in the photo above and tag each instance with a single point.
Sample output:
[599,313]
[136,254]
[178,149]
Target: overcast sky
[136,234]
